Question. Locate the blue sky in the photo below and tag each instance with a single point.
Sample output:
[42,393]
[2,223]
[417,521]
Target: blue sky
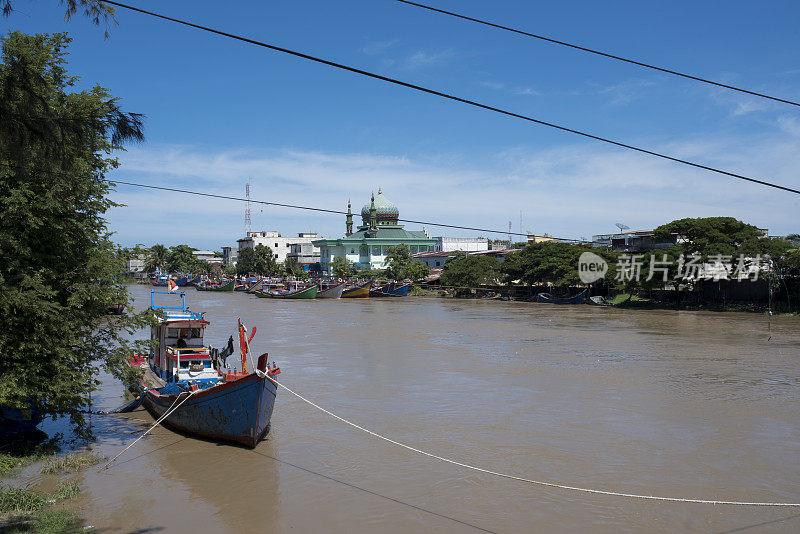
[219,112]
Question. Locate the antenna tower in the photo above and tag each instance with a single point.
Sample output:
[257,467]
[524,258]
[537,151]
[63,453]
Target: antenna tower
[247,225]
[509,234]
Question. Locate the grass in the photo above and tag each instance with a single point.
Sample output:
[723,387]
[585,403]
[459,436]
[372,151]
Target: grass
[21,455]
[42,522]
[20,500]
[67,490]
[71,463]
[24,510]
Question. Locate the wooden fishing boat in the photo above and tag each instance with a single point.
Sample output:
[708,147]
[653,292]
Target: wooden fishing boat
[550,299]
[359,291]
[255,287]
[194,281]
[182,281]
[299,293]
[330,291]
[382,291]
[401,290]
[202,398]
[225,286]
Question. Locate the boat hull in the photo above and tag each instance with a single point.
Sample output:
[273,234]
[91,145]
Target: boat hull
[547,298]
[334,292]
[238,411]
[228,288]
[307,293]
[358,292]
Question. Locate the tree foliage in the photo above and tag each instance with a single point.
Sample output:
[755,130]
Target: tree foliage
[260,261]
[58,267]
[342,267]
[550,262]
[402,265]
[469,270]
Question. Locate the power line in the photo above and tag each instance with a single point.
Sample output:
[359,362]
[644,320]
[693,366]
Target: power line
[598,52]
[452,97]
[295,206]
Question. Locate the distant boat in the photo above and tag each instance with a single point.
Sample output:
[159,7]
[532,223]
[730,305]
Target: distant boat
[382,291]
[298,293]
[225,286]
[550,299]
[330,291]
[401,290]
[358,291]
[256,286]
[194,281]
[182,281]
[598,301]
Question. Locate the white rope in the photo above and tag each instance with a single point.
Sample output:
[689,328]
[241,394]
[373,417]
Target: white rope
[158,422]
[537,482]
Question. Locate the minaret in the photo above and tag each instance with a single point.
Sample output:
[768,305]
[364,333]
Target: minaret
[373,215]
[349,222]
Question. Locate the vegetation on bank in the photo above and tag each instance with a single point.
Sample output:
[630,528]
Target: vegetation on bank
[70,463]
[554,265]
[58,266]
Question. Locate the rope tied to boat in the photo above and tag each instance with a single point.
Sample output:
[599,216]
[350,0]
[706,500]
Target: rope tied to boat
[536,482]
[158,421]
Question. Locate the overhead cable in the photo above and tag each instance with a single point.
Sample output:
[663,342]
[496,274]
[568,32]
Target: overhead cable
[452,97]
[598,52]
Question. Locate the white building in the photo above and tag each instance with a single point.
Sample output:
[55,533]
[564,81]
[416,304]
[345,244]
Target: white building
[207,255]
[467,244]
[281,246]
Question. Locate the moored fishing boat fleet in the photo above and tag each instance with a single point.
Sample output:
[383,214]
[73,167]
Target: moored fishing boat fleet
[281,288]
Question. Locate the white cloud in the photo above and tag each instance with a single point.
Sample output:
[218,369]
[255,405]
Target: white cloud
[375,48]
[626,91]
[423,59]
[570,191]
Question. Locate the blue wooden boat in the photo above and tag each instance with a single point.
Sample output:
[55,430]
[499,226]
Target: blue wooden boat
[550,299]
[401,290]
[237,410]
[182,281]
[194,281]
[208,400]
[382,291]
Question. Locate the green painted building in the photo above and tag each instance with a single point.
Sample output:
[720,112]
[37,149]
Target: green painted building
[368,246]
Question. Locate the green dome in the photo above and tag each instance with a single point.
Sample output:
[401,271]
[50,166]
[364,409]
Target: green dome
[384,209]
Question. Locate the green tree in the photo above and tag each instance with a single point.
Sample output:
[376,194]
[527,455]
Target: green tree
[342,267]
[292,268]
[402,264]
[181,260]
[95,10]
[58,267]
[712,235]
[260,260]
[548,262]
[156,258]
[469,270]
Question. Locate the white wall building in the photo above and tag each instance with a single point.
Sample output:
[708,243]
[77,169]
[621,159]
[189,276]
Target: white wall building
[281,246]
[467,244]
[207,255]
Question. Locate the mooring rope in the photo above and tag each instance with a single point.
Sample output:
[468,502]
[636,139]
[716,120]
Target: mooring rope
[531,481]
[158,422]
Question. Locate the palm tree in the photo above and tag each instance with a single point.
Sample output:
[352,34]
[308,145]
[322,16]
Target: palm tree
[156,258]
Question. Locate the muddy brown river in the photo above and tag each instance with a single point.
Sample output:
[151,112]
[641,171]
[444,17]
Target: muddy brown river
[681,404]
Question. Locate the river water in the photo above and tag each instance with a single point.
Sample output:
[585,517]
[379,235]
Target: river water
[682,404]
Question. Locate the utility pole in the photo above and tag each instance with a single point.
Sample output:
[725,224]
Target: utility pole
[247,224]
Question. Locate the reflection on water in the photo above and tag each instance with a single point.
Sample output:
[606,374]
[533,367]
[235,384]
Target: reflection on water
[680,404]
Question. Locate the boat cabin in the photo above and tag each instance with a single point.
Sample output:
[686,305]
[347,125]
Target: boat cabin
[178,353]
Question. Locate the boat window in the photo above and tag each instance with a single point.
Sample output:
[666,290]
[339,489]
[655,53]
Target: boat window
[197,332]
[184,364]
[172,332]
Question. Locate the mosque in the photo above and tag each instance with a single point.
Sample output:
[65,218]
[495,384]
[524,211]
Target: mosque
[368,246]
